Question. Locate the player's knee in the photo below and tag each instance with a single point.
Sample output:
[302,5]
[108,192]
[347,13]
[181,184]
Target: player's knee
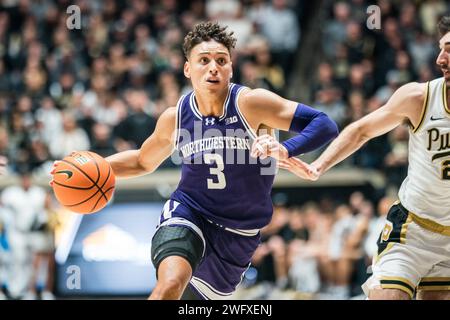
[433,295]
[176,241]
[168,289]
[388,294]
[173,285]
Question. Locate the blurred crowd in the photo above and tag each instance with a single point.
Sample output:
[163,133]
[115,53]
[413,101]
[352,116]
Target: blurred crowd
[319,250]
[102,87]
[28,218]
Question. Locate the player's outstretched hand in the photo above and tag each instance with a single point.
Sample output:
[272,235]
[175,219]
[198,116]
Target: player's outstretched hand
[3,163]
[267,146]
[300,168]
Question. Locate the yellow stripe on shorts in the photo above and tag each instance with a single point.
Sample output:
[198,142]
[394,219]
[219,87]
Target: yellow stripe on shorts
[398,283]
[434,283]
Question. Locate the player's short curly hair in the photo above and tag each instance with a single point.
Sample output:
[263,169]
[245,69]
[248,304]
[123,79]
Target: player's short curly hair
[444,25]
[206,31]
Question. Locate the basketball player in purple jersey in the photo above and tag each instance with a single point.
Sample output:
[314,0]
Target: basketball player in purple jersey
[209,229]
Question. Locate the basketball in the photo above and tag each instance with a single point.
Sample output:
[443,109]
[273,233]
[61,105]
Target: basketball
[83,182]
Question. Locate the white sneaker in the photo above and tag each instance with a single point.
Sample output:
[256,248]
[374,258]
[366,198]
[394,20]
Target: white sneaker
[2,296]
[47,295]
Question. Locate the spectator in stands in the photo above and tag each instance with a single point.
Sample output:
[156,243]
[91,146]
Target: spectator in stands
[339,260]
[138,125]
[235,19]
[42,248]
[4,250]
[429,13]
[49,119]
[359,81]
[255,12]
[421,50]
[396,161]
[393,80]
[268,69]
[335,29]
[168,86]
[218,9]
[4,79]
[62,91]
[5,146]
[97,97]
[19,139]
[39,158]
[375,227]
[355,259]
[22,204]
[270,257]
[409,24]
[71,138]
[280,27]
[252,78]
[357,107]
[302,261]
[102,140]
[329,101]
[358,45]
[325,78]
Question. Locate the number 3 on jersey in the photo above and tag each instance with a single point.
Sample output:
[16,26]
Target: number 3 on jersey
[214,158]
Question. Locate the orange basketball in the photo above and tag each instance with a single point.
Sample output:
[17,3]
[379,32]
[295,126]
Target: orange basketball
[83,182]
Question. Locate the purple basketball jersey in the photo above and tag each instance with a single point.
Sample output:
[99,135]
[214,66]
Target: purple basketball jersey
[219,179]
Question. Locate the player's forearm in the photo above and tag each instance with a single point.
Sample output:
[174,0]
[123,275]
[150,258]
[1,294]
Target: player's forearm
[126,164]
[314,129]
[350,140]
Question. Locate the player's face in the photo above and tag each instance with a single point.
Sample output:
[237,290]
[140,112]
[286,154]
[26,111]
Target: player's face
[443,59]
[209,66]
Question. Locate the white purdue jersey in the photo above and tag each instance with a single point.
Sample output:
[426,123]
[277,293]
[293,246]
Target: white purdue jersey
[426,189]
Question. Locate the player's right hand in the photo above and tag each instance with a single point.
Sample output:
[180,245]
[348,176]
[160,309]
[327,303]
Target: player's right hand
[267,146]
[3,163]
[300,168]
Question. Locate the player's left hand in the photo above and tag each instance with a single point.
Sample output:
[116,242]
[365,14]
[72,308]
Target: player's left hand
[267,146]
[3,163]
[52,172]
[299,168]
[55,164]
